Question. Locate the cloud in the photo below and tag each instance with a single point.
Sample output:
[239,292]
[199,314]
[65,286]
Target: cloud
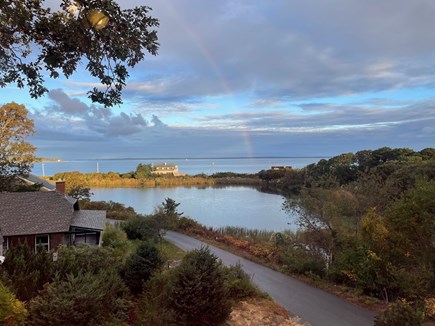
[280,51]
[102,121]
[157,122]
[289,77]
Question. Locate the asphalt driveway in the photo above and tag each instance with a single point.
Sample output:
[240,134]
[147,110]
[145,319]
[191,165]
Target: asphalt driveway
[309,303]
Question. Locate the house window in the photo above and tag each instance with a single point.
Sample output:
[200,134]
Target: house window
[5,244]
[43,241]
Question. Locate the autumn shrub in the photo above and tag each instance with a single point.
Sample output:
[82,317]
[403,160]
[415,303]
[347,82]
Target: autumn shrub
[83,299]
[12,311]
[429,309]
[401,312]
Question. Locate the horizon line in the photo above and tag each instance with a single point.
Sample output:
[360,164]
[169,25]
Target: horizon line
[183,158]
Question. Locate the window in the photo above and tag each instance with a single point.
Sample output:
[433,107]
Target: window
[43,241]
[5,246]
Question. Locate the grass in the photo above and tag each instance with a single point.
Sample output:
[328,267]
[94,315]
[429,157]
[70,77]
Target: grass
[170,251]
[241,232]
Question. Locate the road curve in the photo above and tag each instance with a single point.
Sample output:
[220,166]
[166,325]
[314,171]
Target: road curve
[312,305]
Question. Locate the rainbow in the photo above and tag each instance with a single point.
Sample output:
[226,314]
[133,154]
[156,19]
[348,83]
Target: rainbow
[208,55]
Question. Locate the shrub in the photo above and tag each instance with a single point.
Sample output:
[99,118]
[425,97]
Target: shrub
[198,294]
[83,299]
[12,311]
[84,259]
[238,283]
[141,228]
[401,313]
[27,271]
[153,305]
[299,261]
[113,209]
[140,266]
[185,223]
[114,237]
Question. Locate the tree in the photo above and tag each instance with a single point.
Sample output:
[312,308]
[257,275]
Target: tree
[84,299]
[16,155]
[27,271]
[329,216]
[143,171]
[142,228]
[34,41]
[80,193]
[141,266]
[199,295]
[170,207]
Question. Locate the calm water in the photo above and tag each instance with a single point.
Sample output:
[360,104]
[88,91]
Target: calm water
[189,166]
[211,206]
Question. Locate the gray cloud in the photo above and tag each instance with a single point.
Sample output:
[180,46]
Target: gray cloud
[281,58]
[157,122]
[280,50]
[326,117]
[98,119]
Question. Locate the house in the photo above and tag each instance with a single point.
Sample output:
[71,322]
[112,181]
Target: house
[165,168]
[280,167]
[48,219]
[32,179]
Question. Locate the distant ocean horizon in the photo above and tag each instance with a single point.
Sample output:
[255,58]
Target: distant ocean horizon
[190,166]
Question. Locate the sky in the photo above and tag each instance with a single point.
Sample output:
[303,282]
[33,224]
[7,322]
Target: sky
[256,78]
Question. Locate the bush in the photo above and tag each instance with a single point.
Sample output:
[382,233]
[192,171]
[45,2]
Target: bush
[85,259]
[299,261]
[153,306]
[113,209]
[401,313]
[114,237]
[27,271]
[198,295]
[83,299]
[12,311]
[185,223]
[238,283]
[140,266]
[142,228]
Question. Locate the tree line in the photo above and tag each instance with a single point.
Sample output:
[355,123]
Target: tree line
[366,220]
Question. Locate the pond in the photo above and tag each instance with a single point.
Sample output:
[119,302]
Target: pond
[211,206]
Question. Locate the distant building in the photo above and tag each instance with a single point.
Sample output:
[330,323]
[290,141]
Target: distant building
[282,167]
[165,168]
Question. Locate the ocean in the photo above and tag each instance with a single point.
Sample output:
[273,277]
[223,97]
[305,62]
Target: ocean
[190,166]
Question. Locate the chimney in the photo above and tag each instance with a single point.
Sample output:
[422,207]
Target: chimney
[60,186]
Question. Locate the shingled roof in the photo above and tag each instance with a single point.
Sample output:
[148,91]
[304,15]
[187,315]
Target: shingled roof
[88,219]
[39,213]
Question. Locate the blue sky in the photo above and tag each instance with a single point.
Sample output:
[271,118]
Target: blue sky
[257,78]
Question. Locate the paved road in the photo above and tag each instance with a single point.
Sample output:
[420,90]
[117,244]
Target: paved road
[311,304]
